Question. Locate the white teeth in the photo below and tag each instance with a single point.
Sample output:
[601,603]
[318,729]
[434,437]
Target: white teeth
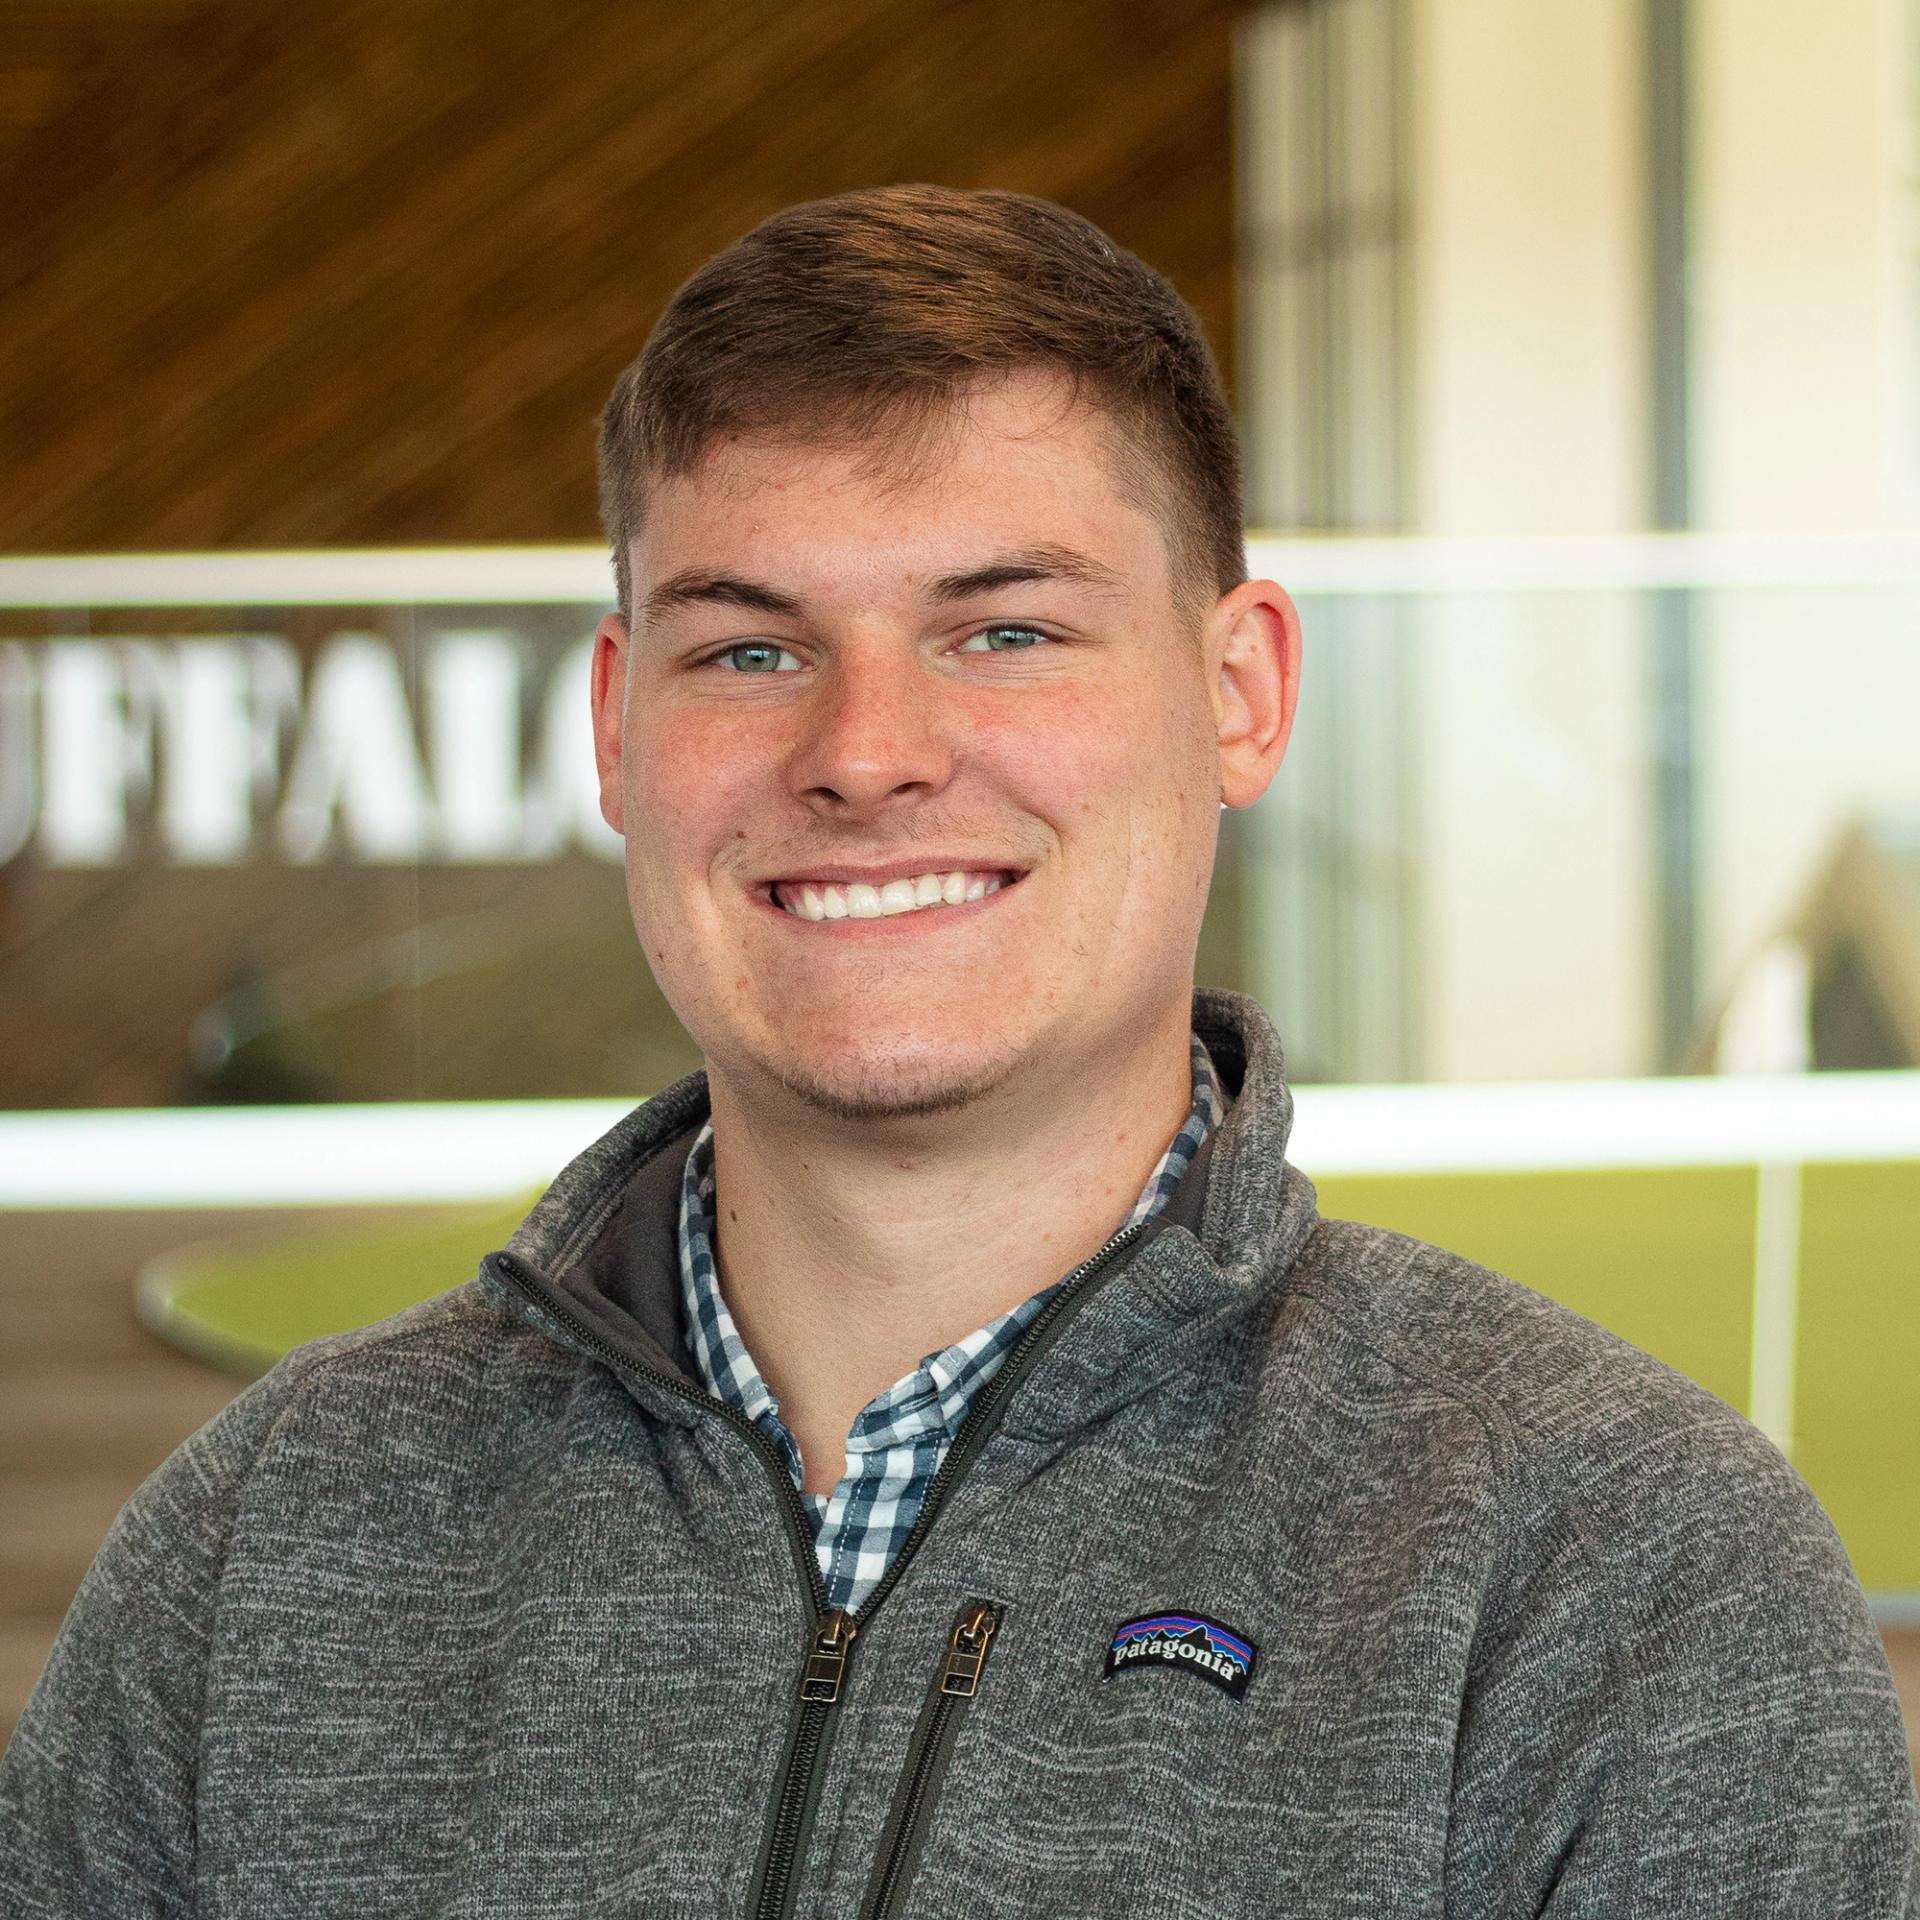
[859,901]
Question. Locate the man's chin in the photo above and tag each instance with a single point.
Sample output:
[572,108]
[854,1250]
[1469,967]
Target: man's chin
[892,1087]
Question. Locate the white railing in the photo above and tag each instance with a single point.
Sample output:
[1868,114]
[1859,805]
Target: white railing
[412,1154]
[579,575]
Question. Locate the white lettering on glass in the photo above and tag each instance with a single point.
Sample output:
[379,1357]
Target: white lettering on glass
[356,761]
[214,750]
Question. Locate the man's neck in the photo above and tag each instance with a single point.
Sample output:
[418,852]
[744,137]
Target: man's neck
[847,1253]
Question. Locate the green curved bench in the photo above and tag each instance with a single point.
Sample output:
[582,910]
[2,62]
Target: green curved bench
[240,1308]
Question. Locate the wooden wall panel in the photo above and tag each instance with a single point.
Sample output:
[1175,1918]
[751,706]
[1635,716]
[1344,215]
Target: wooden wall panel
[363,273]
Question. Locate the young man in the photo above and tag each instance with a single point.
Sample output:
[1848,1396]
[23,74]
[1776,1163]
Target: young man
[937,1462]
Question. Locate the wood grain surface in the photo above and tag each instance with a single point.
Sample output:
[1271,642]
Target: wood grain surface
[364,273]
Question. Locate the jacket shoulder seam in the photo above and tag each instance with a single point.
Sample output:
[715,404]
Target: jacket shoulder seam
[303,1374]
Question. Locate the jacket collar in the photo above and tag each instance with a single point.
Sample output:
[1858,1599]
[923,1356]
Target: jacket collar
[595,1265]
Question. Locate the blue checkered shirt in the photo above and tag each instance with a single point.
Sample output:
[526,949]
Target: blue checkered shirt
[899,1438]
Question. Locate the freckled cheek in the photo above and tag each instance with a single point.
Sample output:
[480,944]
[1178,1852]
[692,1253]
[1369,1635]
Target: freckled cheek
[693,788]
[1070,760]
[1123,779]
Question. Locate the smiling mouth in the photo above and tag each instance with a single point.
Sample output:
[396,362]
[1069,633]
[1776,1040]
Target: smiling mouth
[916,893]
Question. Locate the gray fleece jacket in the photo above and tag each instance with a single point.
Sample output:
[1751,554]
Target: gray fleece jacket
[1287,1568]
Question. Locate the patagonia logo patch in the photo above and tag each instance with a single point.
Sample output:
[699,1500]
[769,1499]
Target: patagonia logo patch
[1186,1640]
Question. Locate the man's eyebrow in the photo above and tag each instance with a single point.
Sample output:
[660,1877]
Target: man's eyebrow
[1028,566]
[698,587]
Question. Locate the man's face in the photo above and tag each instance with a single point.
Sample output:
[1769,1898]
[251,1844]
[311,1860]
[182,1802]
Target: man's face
[967,693]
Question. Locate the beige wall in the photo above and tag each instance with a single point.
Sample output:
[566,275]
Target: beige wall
[1806,346]
[1529,315]
[1529,339]
[1537,886]
[1803,332]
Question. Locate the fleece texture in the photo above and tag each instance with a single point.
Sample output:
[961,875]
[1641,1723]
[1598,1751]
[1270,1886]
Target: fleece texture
[489,1610]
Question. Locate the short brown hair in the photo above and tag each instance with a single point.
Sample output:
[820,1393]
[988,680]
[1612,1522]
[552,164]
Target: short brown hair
[866,312]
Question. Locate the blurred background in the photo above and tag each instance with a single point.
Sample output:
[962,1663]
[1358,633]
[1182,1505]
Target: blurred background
[1577,354]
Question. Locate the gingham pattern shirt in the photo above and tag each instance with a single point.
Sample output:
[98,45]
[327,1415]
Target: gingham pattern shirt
[899,1438]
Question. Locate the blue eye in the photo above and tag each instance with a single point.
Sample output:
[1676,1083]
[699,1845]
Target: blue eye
[760,656]
[1002,639]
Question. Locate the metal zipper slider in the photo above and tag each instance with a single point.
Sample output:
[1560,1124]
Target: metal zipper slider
[968,1652]
[826,1664]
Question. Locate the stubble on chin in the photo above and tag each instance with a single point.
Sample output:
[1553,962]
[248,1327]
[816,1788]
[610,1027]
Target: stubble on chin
[893,1089]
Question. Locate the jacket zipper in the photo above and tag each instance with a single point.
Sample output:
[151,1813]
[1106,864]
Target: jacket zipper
[832,1629]
[953,1689]
[799,1787]
[821,1679]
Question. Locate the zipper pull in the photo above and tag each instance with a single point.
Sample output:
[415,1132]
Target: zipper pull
[826,1664]
[967,1654]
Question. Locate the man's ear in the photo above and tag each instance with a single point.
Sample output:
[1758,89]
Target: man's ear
[609,715]
[1253,655]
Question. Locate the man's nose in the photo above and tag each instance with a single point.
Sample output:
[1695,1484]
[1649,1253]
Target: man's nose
[873,732]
